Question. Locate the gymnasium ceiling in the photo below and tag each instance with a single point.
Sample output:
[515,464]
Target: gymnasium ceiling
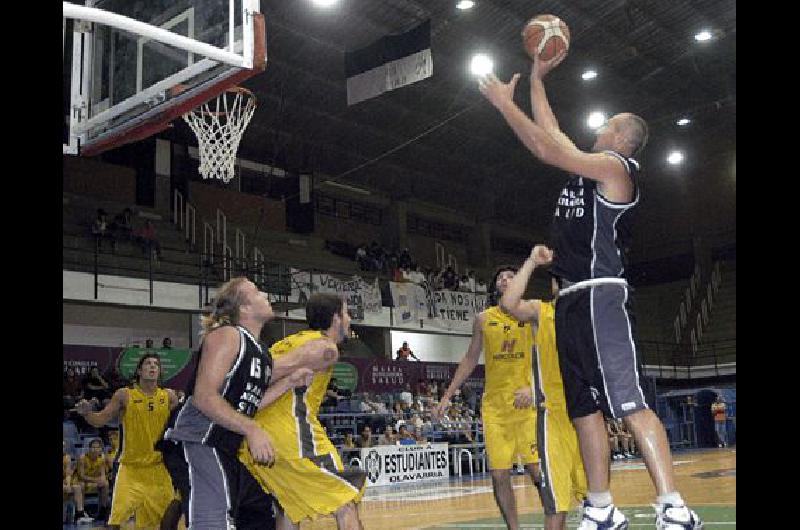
[643,50]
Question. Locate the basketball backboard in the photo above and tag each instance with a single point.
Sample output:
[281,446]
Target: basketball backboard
[135,66]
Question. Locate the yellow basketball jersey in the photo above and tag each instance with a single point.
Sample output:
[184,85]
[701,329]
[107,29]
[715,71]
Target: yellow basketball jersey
[548,376]
[291,421]
[142,424]
[507,350]
[92,467]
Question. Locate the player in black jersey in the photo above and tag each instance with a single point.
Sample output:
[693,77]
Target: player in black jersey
[594,330]
[235,377]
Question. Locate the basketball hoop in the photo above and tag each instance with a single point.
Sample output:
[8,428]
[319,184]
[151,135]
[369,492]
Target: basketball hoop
[219,131]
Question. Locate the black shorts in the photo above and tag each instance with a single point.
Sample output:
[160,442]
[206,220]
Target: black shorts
[220,483]
[597,354]
[178,469]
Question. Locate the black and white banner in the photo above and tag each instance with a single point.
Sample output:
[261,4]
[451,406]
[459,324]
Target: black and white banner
[401,464]
[447,310]
[389,63]
[361,295]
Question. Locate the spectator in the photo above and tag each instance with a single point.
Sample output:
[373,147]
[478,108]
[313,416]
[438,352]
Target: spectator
[480,287]
[404,437]
[404,260]
[449,279]
[614,440]
[471,286]
[101,230]
[719,410]
[416,422]
[388,437]
[626,440]
[69,429]
[406,397]
[123,224]
[365,440]
[361,258]
[147,237]
[93,475]
[72,490]
[369,406]
[420,436]
[404,353]
[348,441]
[95,387]
[113,449]
[166,343]
[148,343]
[73,388]
[332,396]
[463,284]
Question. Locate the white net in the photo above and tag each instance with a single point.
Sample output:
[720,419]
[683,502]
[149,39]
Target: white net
[219,131]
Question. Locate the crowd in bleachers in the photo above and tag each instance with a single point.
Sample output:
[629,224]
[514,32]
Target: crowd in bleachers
[400,418]
[125,227]
[400,266]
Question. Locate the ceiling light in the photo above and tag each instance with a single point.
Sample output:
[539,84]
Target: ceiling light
[324,3]
[481,64]
[596,120]
[465,4]
[684,121]
[675,158]
[703,36]
[588,74]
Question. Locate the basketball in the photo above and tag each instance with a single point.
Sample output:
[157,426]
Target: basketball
[545,36]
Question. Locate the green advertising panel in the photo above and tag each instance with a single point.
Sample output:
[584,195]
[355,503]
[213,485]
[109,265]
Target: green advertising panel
[172,361]
[346,376]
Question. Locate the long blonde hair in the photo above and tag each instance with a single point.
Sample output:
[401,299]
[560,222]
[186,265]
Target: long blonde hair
[225,307]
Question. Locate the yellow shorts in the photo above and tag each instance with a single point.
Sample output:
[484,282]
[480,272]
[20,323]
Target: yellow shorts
[510,443]
[307,488]
[563,477]
[145,491]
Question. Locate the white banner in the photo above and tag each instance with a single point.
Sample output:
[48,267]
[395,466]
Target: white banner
[401,464]
[410,302]
[361,295]
[447,310]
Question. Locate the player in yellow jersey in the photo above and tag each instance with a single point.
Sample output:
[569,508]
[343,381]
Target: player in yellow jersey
[509,419]
[563,477]
[308,478]
[142,486]
[93,474]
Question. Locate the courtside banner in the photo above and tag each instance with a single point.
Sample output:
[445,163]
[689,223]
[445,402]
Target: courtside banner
[389,63]
[402,464]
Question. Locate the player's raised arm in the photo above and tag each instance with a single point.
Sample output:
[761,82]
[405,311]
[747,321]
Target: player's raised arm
[114,407]
[542,112]
[465,367]
[602,167]
[511,302]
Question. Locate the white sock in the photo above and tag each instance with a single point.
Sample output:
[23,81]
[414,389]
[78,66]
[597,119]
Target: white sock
[600,500]
[673,498]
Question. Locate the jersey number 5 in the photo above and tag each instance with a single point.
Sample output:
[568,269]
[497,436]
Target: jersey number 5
[150,406]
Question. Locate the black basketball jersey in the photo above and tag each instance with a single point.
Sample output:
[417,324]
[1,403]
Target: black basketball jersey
[243,387]
[590,234]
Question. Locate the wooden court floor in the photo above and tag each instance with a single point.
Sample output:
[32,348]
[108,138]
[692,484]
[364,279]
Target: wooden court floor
[704,478]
